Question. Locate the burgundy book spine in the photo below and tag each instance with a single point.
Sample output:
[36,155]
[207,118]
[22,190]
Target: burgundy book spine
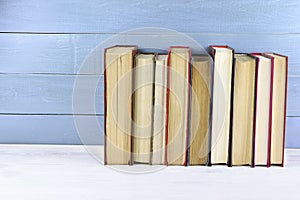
[167,108]
[105,156]
[285,103]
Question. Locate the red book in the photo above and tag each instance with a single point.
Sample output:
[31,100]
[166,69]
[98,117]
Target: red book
[118,86]
[278,112]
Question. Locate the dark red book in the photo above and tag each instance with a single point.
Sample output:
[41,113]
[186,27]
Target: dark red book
[278,112]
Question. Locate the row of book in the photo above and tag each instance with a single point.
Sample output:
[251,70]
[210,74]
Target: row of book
[184,109]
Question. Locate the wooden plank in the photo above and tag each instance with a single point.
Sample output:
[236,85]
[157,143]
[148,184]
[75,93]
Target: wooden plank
[69,172]
[50,94]
[114,16]
[293,98]
[59,129]
[50,129]
[35,53]
[53,94]
[292,132]
[64,53]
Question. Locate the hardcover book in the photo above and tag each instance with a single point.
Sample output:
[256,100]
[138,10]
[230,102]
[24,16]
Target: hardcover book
[142,107]
[263,117]
[177,108]
[242,132]
[200,110]
[279,92]
[221,105]
[160,97]
[118,104]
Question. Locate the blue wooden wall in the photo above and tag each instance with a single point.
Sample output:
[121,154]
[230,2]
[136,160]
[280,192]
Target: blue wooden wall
[43,43]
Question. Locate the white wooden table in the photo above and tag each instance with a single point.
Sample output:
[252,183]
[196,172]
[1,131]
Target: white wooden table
[69,172]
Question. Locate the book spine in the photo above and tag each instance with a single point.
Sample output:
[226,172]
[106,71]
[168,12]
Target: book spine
[105,102]
[270,106]
[270,113]
[229,162]
[105,153]
[188,104]
[134,52]
[212,53]
[152,110]
[255,111]
[188,109]
[167,108]
[285,102]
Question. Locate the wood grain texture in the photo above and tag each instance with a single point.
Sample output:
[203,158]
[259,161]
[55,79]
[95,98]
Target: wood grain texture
[115,16]
[49,53]
[293,98]
[65,53]
[292,132]
[53,94]
[69,172]
[52,58]
[32,94]
[49,129]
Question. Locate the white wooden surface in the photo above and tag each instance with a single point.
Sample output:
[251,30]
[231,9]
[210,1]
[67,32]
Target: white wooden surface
[37,172]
